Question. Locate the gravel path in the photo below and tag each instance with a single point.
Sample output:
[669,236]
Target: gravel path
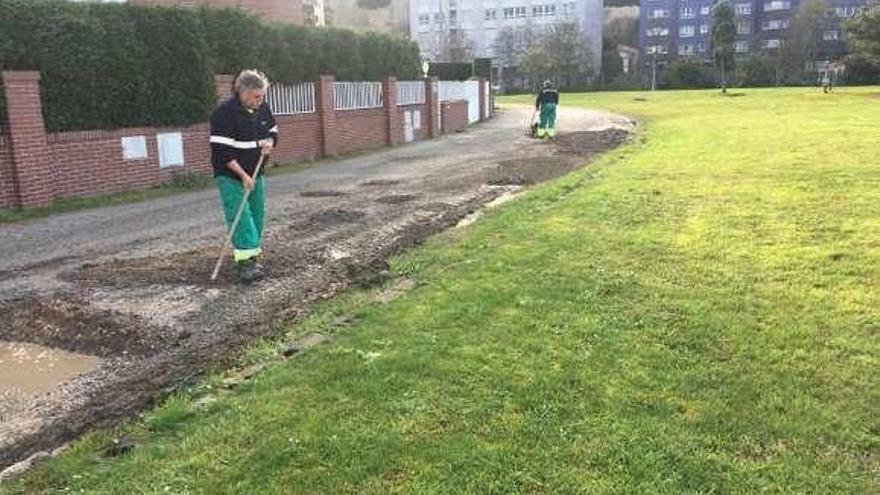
[130,284]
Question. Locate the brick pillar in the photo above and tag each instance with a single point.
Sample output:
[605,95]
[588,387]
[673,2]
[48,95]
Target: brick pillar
[325,105]
[30,155]
[223,85]
[484,114]
[432,106]
[394,127]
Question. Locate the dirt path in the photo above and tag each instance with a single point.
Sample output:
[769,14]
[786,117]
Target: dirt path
[130,284]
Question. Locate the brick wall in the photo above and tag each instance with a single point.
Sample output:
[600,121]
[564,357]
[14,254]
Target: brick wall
[91,162]
[454,115]
[7,187]
[37,167]
[360,129]
[299,138]
[287,11]
[422,131]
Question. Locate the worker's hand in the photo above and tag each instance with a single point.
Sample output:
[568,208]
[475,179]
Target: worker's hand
[266,146]
[248,182]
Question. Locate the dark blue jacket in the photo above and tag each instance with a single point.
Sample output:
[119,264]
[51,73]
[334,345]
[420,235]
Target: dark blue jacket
[548,95]
[235,133]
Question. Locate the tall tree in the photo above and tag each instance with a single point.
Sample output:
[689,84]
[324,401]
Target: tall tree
[568,55]
[508,54]
[612,64]
[864,34]
[623,30]
[457,47]
[804,39]
[723,38]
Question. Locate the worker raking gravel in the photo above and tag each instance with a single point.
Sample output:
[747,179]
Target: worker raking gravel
[243,133]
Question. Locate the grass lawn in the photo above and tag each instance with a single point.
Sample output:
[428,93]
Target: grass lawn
[696,313]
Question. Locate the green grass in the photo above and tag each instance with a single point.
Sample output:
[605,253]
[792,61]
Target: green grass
[696,313]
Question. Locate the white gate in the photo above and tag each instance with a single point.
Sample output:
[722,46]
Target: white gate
[407,127]
[463,90]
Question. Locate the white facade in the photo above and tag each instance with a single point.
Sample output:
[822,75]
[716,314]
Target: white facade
[480,21]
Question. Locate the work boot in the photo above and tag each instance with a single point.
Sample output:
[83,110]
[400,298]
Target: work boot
[249,271]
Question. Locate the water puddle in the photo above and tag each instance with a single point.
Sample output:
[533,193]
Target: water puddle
[28,369]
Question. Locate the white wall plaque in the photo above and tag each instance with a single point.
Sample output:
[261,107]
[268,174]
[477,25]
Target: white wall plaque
[134,147]
[170,149]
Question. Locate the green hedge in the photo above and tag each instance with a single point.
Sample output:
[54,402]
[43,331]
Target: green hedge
[689,74]
[111,65]
[451,71]
[2,107]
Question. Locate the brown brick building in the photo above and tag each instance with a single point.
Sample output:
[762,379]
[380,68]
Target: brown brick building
[286,11]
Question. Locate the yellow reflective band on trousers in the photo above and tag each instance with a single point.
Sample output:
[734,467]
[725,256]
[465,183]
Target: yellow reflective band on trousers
[246,254]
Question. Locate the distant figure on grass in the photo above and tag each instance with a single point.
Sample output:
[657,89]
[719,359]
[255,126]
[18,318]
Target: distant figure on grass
[826,77]
[546,103]
[242,129]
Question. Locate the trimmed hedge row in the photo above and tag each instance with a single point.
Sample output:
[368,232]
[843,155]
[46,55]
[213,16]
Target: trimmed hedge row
[107,66]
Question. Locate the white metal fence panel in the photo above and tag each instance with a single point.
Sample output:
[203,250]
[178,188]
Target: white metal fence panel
[410,93]
[463,90]
[487,101]
[452,90]
[357,95]
[435,90]
[292,99]
[472,93]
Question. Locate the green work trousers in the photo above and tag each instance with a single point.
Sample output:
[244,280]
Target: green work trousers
[548,120]
[248,237]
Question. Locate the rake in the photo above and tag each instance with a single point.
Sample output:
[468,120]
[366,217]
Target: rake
[244,199]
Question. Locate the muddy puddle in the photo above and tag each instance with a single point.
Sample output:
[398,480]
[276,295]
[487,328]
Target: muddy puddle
[30,369]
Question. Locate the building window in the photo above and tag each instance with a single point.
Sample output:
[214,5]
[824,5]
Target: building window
[658,49]
[424,19]
[686,49]
[686,31]
[741,46]
[743,9]
[657,31]
[688,13]
[777,5]
[508,12]
[569,8]
[705,10]
[659,14]
[848,11]
[775,24]
[438,18]
[491,14]
[771,43]
[830,35]
[543,10]
[704,29]
[743,27]
[701,47]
